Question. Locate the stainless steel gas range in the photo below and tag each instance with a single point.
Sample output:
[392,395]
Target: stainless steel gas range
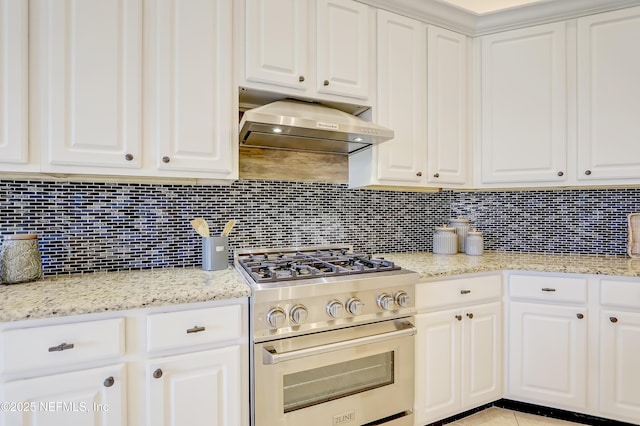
[332,337]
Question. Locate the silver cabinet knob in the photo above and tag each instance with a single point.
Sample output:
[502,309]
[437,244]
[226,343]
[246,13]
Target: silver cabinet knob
[419,174]
[276,317]
[166,159]
[560,174]
[385,301]
[470,315]
[157,374]
[301,78]
[325,83]
[613,319]
[334,308]
[354,306]
[459,317]
[128,157]
[580,316]
[108,382]
[298,314]
[587,172]
[402,299]
[436,175]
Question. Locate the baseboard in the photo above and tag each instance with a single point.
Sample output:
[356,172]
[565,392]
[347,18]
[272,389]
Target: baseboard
[537,410]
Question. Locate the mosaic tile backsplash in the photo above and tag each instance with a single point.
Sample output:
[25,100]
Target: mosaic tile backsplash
[86,227]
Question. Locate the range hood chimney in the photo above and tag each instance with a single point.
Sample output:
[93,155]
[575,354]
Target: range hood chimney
[306,126]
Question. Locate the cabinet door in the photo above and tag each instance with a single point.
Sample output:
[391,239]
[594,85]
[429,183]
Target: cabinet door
[447,110]
[343,48]
[548,355]
[276,42]
[189,97]
[87,67]
[198,389]
[437,378]
[482,355]
[609,95]
[402,80]
[524,116]
[620,365]
[14,147]
[82,398]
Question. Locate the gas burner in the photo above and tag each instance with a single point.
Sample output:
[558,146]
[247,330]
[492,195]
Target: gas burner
[298,264]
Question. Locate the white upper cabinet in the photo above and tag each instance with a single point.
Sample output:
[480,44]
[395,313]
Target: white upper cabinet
[609,96]
[343,48]
[189,96]
[524,107]
[422,95]
[402,106]
[276,43]
[87,67]
[447,119]
[14,135]
[316,49]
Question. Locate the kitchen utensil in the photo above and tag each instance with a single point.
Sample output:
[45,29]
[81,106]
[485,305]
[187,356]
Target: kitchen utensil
[20,259]
[201,226]
[461,226]
[445,240]
[228,227]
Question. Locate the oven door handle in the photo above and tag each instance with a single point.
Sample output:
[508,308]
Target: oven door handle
[271,356]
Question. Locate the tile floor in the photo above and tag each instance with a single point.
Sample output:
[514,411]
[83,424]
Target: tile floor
[495,416]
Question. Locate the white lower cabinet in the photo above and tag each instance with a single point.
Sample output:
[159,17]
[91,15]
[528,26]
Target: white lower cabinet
[458,350]
[195,389]
[79,398]
[548,355]
[548,350]
[619,344]
[177,365]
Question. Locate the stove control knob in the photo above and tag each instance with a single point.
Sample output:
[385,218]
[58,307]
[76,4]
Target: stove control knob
[276,317]
[354,306]
[298,314]
[385,301]
[334,308]
[402,299]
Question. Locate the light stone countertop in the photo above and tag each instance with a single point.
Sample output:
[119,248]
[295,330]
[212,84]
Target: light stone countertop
[430,265]
[117,291]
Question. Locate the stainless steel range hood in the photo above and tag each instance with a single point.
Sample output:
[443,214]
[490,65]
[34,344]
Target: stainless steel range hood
[306,126]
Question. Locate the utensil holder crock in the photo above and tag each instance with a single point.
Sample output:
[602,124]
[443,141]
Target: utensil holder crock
[215,253]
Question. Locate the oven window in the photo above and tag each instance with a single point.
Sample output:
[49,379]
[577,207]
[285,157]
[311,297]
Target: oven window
[318,385]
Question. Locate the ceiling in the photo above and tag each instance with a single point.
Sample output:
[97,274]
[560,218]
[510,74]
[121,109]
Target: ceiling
[481,7]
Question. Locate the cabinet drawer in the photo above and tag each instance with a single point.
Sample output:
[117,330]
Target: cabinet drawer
[548,288]
[620,293]
[59,345]
[196,327]
[458,291]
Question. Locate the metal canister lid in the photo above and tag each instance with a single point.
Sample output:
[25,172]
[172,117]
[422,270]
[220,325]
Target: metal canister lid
[445,228]
[475,232]
[21,237]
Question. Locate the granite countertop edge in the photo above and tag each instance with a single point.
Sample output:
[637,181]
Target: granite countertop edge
[87,293]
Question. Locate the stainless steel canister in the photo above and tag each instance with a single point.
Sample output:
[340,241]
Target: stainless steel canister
[445,240]
[20,259]
[462,227]
[474,244]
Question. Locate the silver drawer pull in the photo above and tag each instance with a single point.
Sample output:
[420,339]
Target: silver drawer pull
[465,291]
[548,289]
[271,356]
[61,347]
[195,329]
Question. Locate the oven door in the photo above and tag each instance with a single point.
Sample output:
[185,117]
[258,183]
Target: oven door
[354,376]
